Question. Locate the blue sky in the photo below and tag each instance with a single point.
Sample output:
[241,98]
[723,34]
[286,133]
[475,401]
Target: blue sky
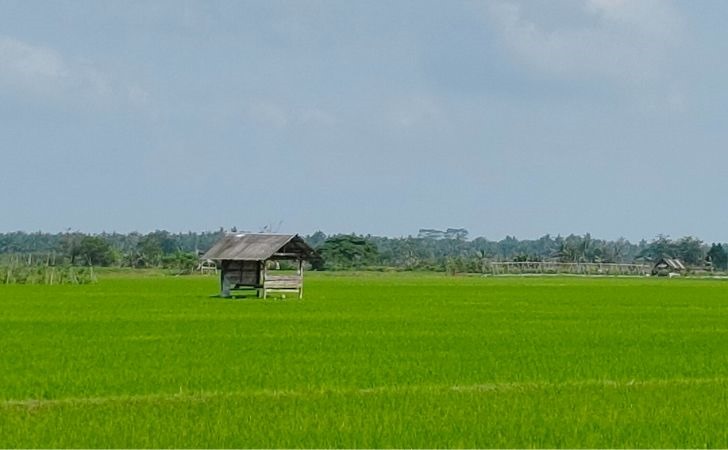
[504,117]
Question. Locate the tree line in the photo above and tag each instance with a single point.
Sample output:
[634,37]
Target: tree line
[462,255]
[156,249]
[430,251]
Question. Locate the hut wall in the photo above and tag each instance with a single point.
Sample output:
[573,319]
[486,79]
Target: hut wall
[236,274]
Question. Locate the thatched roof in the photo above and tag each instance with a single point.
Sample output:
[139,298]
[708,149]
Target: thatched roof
[260,247]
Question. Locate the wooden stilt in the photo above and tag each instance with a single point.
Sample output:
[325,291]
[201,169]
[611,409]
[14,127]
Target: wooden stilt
[300,279]
[224,285]
[265,275]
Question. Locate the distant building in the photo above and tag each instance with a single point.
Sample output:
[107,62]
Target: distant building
[668,266]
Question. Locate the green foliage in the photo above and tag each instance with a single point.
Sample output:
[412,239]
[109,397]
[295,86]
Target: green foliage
[348,251]
[316,240]
[432,250]
[688,249]
[150,251]
[51,275]
[95,251]
[377,360]
[125,247]
[180,262]
[718,257]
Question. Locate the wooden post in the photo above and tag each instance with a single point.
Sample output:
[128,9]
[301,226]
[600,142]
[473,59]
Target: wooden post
[224,283]
[300,279]
[265,273]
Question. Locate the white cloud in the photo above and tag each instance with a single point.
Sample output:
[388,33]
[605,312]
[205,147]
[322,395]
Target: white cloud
[44,72]
[627,41]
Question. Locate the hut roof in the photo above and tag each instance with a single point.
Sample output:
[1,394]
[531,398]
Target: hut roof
[260,247]
[671,263]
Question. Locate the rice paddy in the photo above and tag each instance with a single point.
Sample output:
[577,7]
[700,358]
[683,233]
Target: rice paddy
[366,360]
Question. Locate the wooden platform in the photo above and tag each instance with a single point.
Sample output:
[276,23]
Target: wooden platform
[283,283]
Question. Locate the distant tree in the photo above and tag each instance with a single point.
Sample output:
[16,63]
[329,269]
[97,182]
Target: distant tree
[167,241]
[660,247]
[569,250]
[718,256]
[348,251]
[690,250]
[132,258]
[456,264]
[149,251]
[71,246]
[460,234]
[508,247]
[183,262]
[95,251]
[482,260]
[616,251]
[316,240]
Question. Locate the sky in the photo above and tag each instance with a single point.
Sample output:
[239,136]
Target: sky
[504,117]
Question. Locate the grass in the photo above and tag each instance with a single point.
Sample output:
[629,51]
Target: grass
[366,360]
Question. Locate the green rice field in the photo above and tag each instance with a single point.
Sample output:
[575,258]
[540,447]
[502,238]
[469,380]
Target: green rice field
[366,360]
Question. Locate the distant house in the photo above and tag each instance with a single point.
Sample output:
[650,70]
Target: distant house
[668,266]
[243,260]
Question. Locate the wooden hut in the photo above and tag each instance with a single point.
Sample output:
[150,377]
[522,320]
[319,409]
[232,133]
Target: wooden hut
[668,267]
[243,260]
